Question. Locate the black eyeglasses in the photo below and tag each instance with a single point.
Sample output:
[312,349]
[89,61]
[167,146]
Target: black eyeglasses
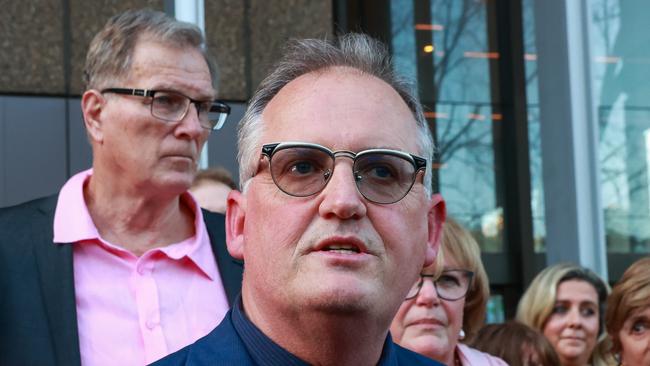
[173,106]
[451,285]
[381,175]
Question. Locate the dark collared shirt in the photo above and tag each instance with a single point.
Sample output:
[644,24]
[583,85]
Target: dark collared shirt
[266,352]
[261,348]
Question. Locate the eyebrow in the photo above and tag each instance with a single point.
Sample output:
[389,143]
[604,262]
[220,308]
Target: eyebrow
[173,88]
[581,303]
[641,317]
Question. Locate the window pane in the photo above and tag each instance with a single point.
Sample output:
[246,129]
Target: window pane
[444,45]
[620,66]
[534,141]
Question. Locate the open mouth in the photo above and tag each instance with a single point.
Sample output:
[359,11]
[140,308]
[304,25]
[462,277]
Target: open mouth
[341,245]
[344,249]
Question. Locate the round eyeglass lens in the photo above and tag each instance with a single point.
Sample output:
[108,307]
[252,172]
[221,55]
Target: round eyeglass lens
[301,171]
[452,285]
[383,177]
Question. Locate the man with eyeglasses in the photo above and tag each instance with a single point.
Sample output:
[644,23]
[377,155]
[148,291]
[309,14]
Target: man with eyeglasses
[336,218]
[122,267]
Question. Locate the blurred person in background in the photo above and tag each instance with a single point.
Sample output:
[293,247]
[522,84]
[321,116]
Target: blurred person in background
[447,303]
[627,318]
[211,187]
[566,302]
[516,343]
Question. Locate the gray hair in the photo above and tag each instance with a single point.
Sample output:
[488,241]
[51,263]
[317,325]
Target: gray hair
[110,52]
[354,50]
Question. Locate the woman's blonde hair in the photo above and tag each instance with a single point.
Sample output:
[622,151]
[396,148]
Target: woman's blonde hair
[459,244]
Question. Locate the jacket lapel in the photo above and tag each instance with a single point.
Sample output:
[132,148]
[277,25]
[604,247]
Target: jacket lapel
[54,263]
[230,269]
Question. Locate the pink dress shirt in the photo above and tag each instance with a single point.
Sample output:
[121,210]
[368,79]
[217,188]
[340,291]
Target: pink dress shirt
[135,310]
[473,357]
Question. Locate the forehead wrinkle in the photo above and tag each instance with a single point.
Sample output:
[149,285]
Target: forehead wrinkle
[185,77]
[300,94]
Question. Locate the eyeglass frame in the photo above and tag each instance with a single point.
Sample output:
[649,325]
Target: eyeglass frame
[419,163]
[468,273]
[150,93]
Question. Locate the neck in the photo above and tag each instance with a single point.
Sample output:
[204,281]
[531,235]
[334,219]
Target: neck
[321,338]
[137,221]
[574,362]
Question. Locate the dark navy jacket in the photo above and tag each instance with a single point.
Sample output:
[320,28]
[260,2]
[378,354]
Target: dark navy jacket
[237,341]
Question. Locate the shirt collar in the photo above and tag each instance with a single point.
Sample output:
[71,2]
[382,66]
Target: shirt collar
[266,352]
[72,221]
[197,247]
[73,224]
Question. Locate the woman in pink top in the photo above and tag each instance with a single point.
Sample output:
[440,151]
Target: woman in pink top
[447,304]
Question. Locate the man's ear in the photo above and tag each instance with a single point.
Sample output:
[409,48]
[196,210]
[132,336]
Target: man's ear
[92,105]
[436,218]
[235,219]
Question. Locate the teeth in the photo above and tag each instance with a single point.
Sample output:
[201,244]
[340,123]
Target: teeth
[342,248]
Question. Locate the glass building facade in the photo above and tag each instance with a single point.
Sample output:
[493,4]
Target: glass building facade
[541,117]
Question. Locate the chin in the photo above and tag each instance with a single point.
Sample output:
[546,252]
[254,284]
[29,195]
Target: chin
[176,183]
[571,354]
[429,346]
[342,301]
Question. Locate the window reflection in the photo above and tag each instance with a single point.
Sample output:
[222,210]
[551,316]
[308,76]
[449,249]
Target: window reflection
[534,141]
[621,79]
[444,45]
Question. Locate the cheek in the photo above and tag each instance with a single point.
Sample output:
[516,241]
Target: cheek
[204,137]
[591,325]
[551,328]
[403,235]
[268,216]
[634,348]
[454,311]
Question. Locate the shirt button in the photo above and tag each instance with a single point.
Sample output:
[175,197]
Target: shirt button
[151,323]
[145,268]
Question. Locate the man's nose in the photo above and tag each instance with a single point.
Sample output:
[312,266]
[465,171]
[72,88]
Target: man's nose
[190,125]
[341,197]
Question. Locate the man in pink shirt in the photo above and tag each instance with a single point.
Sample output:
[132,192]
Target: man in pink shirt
[122,267]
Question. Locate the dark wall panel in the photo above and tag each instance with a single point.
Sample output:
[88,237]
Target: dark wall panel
[222,145]
[34,146]
[3,153]
[81,157]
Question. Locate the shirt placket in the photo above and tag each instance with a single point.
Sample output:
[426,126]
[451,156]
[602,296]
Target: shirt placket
[146,293]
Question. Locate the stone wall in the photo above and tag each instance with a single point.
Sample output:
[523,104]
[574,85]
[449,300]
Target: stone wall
[43,42]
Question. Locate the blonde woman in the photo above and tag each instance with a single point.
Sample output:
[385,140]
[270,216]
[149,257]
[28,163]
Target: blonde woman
[447,304]
[566,303]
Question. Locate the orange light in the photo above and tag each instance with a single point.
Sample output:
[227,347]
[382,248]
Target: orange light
[497,116]
[429,48]
[436,115]
[476,116]
[429,27]
[475,54]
